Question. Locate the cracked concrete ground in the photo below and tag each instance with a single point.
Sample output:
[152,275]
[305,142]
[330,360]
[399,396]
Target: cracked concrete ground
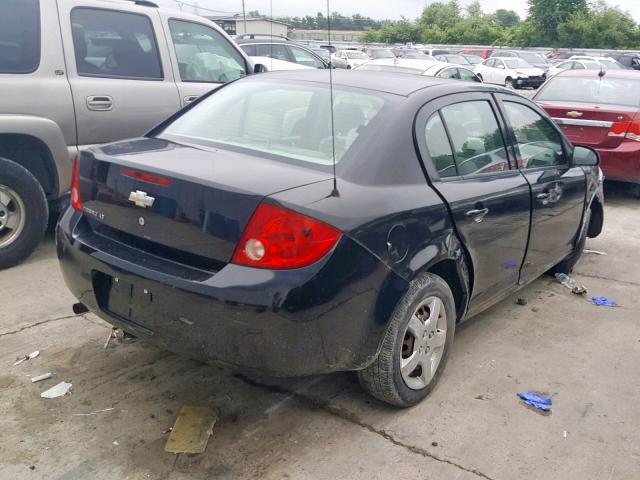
[471,427]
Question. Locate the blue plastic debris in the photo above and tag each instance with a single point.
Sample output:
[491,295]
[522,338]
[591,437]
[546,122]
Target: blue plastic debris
[536,400]
[603,302]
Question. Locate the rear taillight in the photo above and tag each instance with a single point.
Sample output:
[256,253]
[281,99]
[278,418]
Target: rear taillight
[145,177]
[278,238]
[628,130]
[75,200]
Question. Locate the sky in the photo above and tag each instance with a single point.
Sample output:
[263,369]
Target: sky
[380,9]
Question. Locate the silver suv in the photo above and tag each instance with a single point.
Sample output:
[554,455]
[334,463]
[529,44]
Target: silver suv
[76,73]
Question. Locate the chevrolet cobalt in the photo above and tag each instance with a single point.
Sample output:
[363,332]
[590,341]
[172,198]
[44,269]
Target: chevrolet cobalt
[288,226]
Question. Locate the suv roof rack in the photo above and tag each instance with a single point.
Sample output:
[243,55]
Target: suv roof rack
[252,36]
[144,3]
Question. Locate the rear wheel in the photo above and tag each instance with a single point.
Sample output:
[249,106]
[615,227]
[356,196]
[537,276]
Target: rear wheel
[416,344]
[23,213]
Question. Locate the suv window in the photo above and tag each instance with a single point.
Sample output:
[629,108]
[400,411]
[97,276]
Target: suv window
[476,138]
[439,147]
[538,142]
[303,57]
[204,55]
[19,36]
[273,50]
[115,44]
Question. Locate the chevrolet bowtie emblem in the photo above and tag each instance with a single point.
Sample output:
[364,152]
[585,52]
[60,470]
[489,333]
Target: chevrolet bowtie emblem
[574,114]
[141,199]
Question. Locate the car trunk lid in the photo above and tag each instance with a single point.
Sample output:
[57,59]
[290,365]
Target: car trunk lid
[180,202]
[601,126]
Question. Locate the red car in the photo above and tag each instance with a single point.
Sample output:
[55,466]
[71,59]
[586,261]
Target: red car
[600,109]
[481,52]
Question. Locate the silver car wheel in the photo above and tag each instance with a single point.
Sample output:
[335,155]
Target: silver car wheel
[12,216]
[423,343]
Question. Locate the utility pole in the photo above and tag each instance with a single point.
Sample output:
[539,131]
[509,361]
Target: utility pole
[244,17]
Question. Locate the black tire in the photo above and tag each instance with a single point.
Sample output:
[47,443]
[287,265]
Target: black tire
[383,378]
[509,83]
[567,265]
[36,213]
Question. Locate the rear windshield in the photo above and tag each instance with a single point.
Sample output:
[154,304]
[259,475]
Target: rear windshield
[382,54]
[19,36]
[284,119]
[611,91]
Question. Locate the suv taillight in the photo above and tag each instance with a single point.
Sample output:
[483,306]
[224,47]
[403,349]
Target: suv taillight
[627,130]
[279,239]
[76,201]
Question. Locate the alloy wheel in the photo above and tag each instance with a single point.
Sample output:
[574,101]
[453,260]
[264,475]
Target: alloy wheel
[12,216]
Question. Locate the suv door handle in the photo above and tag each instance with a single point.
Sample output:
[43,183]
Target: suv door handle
[543,196]
[478,214]
[190,98]
[100,103]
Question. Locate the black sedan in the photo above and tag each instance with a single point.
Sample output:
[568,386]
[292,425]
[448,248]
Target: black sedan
[224,234]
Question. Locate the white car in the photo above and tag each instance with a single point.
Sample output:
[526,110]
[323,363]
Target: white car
[351,58]
[583,62]
[608,62]
[431,68]
[510,72]
[275,65]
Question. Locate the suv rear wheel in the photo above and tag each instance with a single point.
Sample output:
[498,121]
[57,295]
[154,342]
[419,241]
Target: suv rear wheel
[23,213]
[416,344]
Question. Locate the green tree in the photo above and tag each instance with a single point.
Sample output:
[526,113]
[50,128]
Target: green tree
[506,18]
[601,27]
[546,15]
[441,15]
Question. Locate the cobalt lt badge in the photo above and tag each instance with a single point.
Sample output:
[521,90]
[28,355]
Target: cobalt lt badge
[141,199]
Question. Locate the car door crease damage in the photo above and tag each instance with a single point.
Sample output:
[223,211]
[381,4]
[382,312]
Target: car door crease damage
[436,219]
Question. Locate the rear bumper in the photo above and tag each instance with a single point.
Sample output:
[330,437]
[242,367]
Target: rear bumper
[623,163]
[327,317]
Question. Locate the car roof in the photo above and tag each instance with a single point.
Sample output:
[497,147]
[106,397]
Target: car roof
[417,63]
[393,83]
[618,74]
[387,82]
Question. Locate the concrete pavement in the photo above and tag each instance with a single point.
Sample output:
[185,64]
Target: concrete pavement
[471,427]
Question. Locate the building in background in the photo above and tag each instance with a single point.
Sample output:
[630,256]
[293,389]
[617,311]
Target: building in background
[237,25]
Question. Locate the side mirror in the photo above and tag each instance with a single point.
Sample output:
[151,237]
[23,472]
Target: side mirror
[585,157]
[260,68]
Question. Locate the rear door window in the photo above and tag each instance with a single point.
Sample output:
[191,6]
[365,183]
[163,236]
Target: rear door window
[19,36]
[439,147]
[115,44]
[304,57]
[539,144]
[204,55]
[273,50]
[476,138]
[449,73]
[468,75]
